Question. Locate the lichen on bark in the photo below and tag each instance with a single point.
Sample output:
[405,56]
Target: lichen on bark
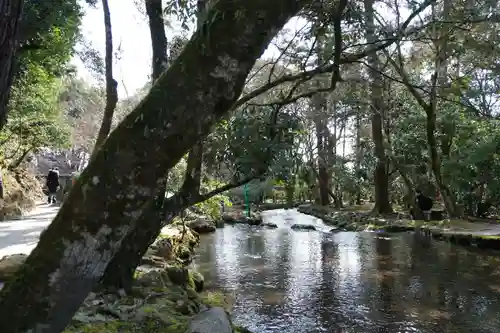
[130,166]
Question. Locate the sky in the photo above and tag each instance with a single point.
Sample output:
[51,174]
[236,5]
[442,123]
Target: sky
[131,36]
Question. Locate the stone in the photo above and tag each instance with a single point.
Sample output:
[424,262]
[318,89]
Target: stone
[219,224]
[198,281]
[177,275]
[152,260]
[254,221]
[228,218]
[152,278]
[163,249]
[10,264]
[270,225]
[213,320]
[305,227]
[202,225]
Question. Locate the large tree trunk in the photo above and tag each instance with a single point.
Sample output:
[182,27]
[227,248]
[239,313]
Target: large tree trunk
[120,271]
[154,10]
[127,172]
[381,177]
[322,133]
[10,16]
[111,84]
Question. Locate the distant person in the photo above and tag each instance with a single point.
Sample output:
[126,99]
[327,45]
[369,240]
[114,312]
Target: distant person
[52,184]
[483,209]
[1,184]
[424,203]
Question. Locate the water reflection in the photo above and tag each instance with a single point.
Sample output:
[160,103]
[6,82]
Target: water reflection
[291,281]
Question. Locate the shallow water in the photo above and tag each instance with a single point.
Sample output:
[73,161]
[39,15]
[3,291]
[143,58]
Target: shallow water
[295,281]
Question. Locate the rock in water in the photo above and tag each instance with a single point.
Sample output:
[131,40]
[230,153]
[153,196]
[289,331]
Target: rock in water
[228,218]
[10,264]
[202,225]
[306,227]
[214,320]
[270,225]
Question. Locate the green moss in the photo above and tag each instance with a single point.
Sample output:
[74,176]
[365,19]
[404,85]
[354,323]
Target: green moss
[217,299]
[492,237]
[150,325]
[108,327]
[239,329]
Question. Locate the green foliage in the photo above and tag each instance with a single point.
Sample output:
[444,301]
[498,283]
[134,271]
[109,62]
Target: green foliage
[49,31]
[212,206]
[252,142]
[35,115]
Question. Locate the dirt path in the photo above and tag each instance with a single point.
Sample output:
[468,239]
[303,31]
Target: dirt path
[21,236]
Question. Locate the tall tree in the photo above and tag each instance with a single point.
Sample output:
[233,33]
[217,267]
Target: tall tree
[111,84]
[154,11]
[129,168]
[381,177]
[10,17]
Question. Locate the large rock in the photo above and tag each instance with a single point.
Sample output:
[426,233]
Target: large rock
[202,225]
[228,218]
[214,320]
[178,275]
[305,227]
[10,264]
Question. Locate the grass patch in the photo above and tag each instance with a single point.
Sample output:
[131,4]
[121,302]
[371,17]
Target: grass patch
[218,299]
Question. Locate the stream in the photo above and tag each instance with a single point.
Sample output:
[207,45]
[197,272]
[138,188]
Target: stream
[287,281]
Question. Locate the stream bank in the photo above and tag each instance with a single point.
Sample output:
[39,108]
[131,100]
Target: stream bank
[462,232]
[167,295]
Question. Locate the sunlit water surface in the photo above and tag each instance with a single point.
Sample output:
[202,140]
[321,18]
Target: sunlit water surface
[293,281]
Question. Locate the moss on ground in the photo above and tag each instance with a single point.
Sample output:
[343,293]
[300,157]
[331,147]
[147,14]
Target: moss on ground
[218,299]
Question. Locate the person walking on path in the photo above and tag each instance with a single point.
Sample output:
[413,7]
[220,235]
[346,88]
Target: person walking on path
[52,184]
[1,183]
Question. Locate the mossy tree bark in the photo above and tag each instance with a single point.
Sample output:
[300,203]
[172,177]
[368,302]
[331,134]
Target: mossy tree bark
[128,170]
[120,271]
[10,17]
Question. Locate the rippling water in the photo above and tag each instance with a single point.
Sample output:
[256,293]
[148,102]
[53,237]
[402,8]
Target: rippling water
[295,281]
